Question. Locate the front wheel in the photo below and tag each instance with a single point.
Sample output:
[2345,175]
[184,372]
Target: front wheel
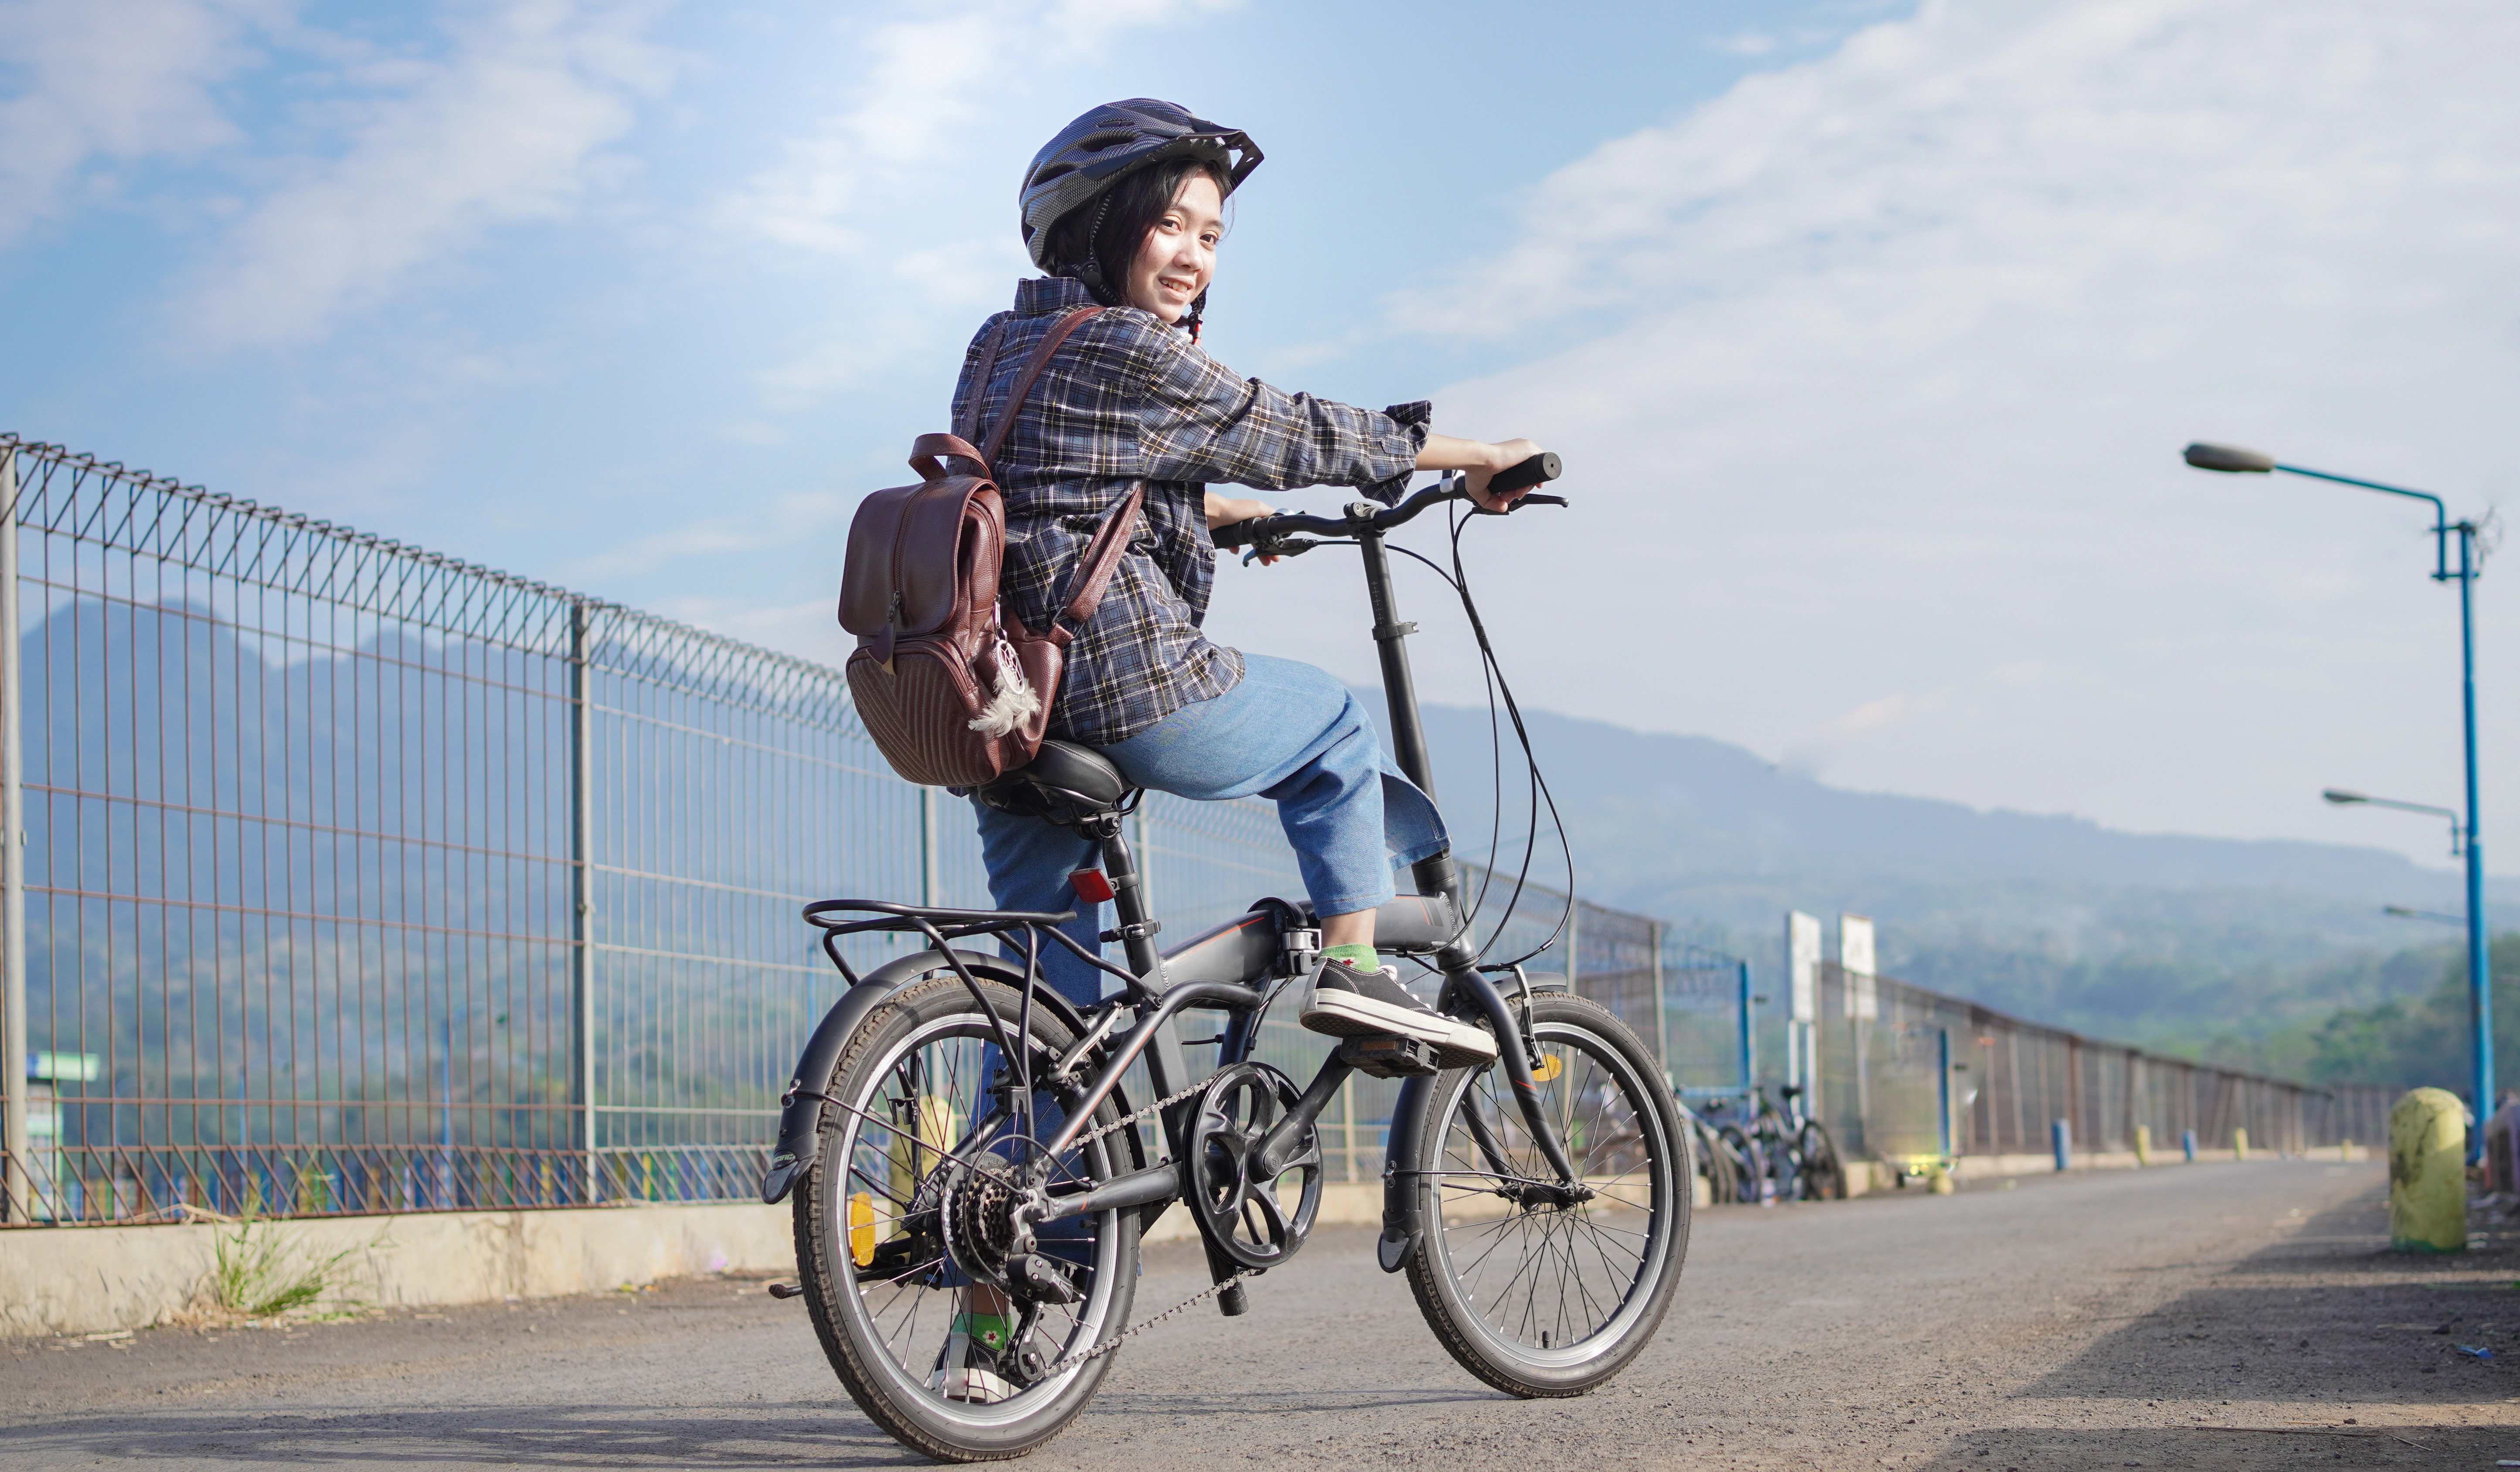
[1530,1293]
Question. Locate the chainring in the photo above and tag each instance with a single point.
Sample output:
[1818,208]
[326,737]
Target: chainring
[1246,1221]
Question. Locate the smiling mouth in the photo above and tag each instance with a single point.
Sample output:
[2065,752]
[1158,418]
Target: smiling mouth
[1175,284]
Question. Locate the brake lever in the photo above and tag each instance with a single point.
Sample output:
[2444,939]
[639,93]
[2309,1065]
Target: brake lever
[1528,500]
[1293,546]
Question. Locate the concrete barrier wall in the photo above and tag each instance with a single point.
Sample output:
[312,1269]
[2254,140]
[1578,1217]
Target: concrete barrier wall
[85,1279]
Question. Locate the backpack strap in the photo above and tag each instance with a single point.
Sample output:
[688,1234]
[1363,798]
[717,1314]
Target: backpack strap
[967,427]
[1040,359]
[1101,556]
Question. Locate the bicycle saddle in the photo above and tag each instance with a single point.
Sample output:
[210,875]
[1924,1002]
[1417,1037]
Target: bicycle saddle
[1062,774]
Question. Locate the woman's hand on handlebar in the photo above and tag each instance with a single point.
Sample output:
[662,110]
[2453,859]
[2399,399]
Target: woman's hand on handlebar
[1225,511]
[1481,461]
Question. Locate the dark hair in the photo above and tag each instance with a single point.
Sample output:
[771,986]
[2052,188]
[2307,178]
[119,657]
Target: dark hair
[1095,243]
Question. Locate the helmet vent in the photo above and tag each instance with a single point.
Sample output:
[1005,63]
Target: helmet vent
[1095,143]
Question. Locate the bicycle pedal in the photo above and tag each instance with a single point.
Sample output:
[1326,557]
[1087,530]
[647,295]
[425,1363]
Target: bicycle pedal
[1389,1057]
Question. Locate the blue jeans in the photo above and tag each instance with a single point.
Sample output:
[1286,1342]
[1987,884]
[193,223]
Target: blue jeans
[1288,732]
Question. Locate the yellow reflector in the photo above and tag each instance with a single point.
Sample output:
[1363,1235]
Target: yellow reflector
[1549,1066]
[862,1229]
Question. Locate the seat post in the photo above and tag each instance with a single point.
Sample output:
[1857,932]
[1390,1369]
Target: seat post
[1136,929]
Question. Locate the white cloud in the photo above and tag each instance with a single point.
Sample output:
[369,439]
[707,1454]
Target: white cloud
[108,80]
[928,81]
[508,130]
[1899,347]
[932,106]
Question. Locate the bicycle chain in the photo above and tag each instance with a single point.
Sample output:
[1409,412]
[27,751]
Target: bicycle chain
[1125,1335]
[1086,1357]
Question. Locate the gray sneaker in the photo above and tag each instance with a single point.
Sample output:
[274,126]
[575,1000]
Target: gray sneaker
[1346,1002]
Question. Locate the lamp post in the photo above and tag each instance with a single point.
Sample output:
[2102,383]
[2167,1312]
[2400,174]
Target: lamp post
[2231,459]
[2458,835]
[2457,844]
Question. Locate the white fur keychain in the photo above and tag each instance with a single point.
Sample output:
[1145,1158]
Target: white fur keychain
[1014,702]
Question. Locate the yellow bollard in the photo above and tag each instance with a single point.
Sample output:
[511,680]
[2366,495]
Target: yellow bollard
[2344,1150]
[2239,1144]
[2143,1144]
[2428,1172]
[911,1157]
[1938,1179]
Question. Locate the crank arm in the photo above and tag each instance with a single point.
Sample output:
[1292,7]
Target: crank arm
[1146,1187]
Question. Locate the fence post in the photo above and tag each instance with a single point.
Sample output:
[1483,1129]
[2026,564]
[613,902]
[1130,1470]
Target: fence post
[16,1181]
[932,871]
[1662,1012]
[581,888]
[1142,840]
[1749,1056]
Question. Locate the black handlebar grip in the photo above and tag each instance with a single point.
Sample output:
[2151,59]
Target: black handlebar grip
[1233,535]
[1539,468]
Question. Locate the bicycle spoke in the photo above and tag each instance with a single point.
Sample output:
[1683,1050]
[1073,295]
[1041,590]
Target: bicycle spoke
[1558,1273]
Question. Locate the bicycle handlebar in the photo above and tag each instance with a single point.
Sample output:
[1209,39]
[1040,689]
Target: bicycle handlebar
[1275,535]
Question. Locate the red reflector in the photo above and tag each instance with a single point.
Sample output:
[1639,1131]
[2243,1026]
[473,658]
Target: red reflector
[1090,886]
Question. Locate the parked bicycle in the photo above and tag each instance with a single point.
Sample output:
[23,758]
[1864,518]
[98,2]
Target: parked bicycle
[1785,1154]
[1731,1175]
[962,1150]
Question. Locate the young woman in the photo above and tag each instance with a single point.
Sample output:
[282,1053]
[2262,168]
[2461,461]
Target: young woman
[1125,208]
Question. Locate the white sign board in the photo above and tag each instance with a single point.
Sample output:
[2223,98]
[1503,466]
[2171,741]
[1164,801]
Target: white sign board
[1854,958]
[1802,964]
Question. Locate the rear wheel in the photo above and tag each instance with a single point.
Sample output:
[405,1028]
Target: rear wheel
[917,1159]
[1535,1295]
[1824,1173]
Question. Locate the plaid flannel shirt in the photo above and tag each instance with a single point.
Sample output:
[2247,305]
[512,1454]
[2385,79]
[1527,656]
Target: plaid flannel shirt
[1128,400]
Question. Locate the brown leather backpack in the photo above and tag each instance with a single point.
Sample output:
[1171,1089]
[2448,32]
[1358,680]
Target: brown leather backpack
[954,692]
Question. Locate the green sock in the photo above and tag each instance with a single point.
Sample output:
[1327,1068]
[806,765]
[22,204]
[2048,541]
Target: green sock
[990,1329]
[1362,957]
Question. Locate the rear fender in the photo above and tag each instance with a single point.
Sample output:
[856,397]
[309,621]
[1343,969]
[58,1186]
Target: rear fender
[801,1109]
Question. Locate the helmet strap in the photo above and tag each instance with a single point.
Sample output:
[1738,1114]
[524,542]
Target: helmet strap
[1089,269]
[1198,310]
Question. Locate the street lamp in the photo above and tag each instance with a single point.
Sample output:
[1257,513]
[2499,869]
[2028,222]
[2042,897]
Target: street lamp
[2458,835]
[2480,993]
[2403,913]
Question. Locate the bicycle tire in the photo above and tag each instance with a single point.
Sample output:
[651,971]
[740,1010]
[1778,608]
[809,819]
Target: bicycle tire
[870,1326]
[1717,1163]
[1753,1160]
[1627,1143]
[1823,1173]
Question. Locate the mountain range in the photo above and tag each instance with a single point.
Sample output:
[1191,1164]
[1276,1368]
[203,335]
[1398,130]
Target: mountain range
[2207,946]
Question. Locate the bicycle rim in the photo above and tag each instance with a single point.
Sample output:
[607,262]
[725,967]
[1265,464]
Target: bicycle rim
[1538,1299]
[901,1111]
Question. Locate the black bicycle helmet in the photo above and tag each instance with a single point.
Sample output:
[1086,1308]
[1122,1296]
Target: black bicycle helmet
[1110,142]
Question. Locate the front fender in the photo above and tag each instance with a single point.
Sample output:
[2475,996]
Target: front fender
[1400,1167]
[801,1109]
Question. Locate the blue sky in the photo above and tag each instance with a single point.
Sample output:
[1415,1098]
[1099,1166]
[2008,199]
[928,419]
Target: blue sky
[1869,332]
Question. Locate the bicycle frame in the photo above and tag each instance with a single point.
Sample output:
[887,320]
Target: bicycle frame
[1227,969]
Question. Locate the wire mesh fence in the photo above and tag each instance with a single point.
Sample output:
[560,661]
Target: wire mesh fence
[356,878]
[1907,1075]
[350,877]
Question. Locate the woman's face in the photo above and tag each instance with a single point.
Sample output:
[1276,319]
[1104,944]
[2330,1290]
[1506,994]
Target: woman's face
[1178,257]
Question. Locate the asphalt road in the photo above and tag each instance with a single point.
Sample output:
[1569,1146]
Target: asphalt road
[2211,1316]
